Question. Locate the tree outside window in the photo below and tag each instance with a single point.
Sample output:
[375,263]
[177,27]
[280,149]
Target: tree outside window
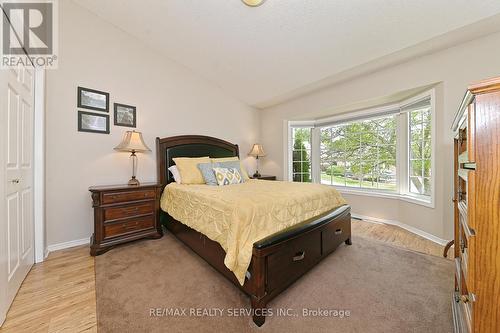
[420,151]
[301,159]
[360,154]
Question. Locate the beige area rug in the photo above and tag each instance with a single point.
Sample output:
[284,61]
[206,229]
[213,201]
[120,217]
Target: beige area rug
[366,287]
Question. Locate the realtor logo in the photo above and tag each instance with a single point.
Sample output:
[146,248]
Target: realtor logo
[29,33]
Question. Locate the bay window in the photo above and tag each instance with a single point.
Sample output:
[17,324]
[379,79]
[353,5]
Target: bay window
[380,151]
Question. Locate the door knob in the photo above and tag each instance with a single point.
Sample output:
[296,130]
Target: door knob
[15,181]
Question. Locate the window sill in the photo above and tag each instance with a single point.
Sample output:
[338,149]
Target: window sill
[389,195]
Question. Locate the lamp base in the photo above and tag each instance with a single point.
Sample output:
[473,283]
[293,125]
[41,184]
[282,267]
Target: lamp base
[256,175]
[133,181]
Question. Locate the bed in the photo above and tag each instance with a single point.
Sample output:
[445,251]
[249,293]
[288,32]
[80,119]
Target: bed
[278,259]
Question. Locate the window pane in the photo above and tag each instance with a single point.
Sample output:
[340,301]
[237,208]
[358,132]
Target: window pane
[351,153]
[387,152]
[426,151]
[420,150]
[426,116]
[387,175]
[387,182]
[301,154]
[338,173]
[416,134]
[427,167]
[337,131]
[416,150]
[415,117]
[325,178]
[297,167]
[369,170]
[386,123]
[385,137]
[352,178]
[427,186]
[296,155]
[416,168]
[416,185]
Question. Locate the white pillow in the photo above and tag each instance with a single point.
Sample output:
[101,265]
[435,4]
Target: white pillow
[175,172]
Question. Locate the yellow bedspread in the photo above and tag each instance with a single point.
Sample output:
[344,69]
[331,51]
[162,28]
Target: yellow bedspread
[236,216]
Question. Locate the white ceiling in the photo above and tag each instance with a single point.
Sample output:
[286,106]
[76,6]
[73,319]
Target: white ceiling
[284,48]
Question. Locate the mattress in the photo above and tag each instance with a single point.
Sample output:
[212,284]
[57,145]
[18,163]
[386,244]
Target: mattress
[236,216]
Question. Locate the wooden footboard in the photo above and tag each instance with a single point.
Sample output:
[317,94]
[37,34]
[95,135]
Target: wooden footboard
[278,260]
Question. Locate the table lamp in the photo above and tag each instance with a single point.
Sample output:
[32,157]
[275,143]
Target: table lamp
[257,151]
[132,142]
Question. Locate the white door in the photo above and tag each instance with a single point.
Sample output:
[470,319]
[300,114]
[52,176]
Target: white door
[17,101]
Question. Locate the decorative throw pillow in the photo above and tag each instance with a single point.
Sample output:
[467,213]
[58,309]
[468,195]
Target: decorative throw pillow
[231,164]
[188,168]
[208,174]
[234,158]
[227,176]
[175,173]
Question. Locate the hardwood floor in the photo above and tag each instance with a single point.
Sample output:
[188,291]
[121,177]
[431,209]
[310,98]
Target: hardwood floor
[58,295]
[397,236]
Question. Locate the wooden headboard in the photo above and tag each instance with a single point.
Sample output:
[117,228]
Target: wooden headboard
[188,146]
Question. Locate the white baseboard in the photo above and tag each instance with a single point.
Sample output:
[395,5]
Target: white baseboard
[407,227]
[66,245]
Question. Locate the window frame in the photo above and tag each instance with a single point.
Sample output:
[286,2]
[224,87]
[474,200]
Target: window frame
[402,149]
[290,125]
[424,200]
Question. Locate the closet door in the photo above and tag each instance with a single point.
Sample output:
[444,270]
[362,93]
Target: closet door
[17,169]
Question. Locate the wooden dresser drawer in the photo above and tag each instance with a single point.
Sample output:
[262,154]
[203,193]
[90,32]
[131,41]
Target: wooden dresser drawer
[124,213]
[130,226]
[128,211]
[117,197]
[294,260]
[335,234]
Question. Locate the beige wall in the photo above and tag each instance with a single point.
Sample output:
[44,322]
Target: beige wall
[452,68]
[170,100]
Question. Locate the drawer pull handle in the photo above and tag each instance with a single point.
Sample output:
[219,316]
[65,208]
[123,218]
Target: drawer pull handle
[299,256]
[338,232]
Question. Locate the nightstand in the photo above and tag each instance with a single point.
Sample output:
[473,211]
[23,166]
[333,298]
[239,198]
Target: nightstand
[124,213]
[264,177]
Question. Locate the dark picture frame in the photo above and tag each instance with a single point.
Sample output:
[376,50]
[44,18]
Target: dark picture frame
[85,102]
[83,125]
[129,119]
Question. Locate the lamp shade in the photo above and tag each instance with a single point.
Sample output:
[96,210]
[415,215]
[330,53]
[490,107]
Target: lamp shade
[257,151]
[132,142]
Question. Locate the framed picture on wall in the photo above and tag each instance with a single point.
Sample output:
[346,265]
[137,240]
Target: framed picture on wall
[125,115]
[93,122]
[93,99]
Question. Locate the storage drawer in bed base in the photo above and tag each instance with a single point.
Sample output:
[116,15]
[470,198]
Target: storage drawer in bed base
[278,260]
